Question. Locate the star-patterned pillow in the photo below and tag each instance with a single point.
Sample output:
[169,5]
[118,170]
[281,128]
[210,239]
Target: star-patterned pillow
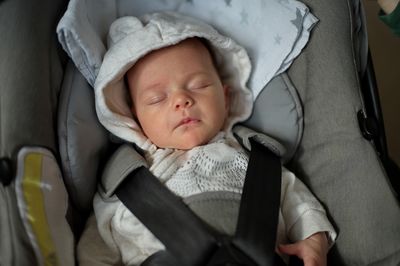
[273,31]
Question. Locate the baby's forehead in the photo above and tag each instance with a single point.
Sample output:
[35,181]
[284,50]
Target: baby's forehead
[191,45]
[192,50]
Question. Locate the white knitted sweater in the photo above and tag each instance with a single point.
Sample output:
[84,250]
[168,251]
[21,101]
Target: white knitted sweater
[218,166]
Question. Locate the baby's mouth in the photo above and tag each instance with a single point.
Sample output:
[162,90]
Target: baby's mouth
[188,121]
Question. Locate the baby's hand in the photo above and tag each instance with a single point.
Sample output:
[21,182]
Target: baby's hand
[312,250]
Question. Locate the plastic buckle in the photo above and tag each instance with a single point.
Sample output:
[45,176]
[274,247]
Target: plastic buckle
[368,126]
[6,173]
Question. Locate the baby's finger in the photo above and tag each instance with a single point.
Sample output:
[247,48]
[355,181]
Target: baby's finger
[290,249]
[310,261]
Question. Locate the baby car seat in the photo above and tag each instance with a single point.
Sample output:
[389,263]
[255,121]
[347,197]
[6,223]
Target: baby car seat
[46,103]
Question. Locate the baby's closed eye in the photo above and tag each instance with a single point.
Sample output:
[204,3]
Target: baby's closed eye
[154,98]
[200,84]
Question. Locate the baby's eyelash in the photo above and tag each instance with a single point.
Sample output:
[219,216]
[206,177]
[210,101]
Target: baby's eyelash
[201,86]
[155,100]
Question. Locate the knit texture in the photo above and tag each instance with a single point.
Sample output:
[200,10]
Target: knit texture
[214,167]
[219,166]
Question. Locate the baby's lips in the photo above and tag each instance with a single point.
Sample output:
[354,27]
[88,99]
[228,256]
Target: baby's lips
[187,120]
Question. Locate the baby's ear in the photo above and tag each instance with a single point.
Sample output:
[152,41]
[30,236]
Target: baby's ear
[131,104]
[128,96]
[227,96]
[133,109]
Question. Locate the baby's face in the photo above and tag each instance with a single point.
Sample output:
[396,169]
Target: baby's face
[178,97]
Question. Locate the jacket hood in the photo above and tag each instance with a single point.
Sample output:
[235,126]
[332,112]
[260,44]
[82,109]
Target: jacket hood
[131,38]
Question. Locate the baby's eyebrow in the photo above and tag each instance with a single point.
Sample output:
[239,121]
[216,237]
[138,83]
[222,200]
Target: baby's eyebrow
[150,89]
[152,86]
[198,74]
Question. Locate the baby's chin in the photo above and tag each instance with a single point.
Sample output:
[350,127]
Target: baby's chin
[185,144]
[184,147]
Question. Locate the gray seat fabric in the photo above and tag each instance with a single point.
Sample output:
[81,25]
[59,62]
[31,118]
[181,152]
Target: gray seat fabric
[30,71]
[30,75]
[83,142]
[341,167]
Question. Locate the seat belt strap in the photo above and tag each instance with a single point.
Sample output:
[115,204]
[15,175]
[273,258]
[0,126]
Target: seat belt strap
[259,208]
[183,234]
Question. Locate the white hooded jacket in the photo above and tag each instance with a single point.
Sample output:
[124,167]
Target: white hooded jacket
[131,38]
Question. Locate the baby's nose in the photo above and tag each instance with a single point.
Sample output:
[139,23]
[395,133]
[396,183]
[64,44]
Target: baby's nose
[183,101]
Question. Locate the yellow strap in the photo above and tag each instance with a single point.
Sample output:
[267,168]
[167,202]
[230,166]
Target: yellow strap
[36,215]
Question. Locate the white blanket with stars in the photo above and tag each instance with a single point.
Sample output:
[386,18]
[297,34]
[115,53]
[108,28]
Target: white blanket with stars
[272,31]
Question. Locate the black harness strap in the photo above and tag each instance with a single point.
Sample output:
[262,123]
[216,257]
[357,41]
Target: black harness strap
[259,208]
[167,217]
[187,238]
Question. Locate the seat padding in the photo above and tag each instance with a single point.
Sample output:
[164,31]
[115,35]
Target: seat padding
[339,165]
